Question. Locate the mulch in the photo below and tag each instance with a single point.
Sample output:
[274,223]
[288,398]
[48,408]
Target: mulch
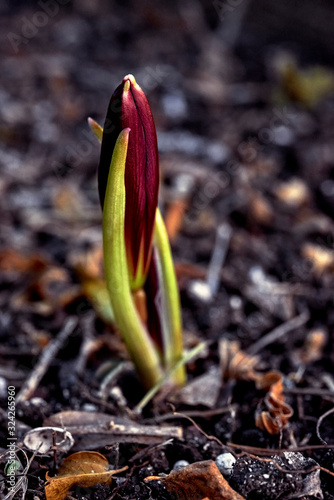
[245,121]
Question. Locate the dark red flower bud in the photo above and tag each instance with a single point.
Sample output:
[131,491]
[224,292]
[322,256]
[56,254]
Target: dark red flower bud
[128,108]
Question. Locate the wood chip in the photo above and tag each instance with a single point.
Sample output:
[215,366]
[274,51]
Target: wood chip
[96,430]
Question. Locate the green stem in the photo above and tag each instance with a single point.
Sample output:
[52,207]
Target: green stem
[171,316]
[137,339]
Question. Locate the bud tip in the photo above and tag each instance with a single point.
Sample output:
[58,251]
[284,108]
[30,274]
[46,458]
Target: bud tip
[132,81]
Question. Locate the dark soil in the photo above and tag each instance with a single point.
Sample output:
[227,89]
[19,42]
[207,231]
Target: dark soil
[251,135]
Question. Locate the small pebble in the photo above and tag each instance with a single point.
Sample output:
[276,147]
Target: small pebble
[180,464]
[235,302]
[39,402]
[225,463]
[117,394]
[200,290]
[89,407]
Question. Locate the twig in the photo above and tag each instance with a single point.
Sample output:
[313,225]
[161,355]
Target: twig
[310,391]
[11,374]
[111,377]
[209,437]
[192,413]
[224,233]
[278,451]
[44,361]
[123,485]
[325,415]
[207,289]
[85,392]
[279,332]
[149,450]
[87,341]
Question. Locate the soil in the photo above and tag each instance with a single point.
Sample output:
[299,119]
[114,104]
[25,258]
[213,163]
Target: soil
[242,96]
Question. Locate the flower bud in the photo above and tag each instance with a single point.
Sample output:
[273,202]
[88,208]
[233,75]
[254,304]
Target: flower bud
[128,108]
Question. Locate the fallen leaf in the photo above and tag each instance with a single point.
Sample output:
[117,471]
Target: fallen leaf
[313,347]
[236,364]
[174,217]
[293,193]
[321,258]
[260,209]
[85,468]
[277,413]
[55,287]
[273,413]
[198,481]
[89,263]
[12,260]
[186,270]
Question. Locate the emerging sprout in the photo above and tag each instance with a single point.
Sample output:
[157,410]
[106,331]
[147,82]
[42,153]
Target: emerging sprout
[139,269]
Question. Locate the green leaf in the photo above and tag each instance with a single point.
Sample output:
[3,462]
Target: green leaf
[96,129]
[135,335]
[171,309]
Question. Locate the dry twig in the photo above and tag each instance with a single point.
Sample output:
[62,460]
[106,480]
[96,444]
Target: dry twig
[44,361]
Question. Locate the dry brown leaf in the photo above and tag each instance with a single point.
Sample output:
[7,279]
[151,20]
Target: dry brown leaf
[313,347]
[260,209]
[12,260]
[294,192]
[235,363]
[55,287]
[238,365]
[85,468]
[174,217]
[321,258]
[89,263]
[198,481]
[278,412]
[51,284]
[185,271]
[271,380]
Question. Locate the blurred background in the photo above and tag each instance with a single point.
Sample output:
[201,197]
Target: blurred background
[242,95]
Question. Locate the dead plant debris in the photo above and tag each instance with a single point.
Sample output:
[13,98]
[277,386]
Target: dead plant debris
[245,130]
